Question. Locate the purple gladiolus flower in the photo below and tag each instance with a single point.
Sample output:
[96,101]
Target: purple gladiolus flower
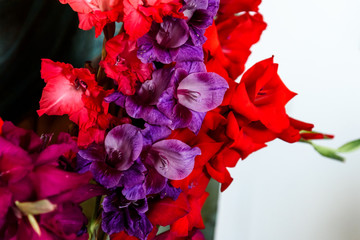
[143,103]
[165,41]
[190,96]
[115,162]
[175,98]
[121,214]
[123,146]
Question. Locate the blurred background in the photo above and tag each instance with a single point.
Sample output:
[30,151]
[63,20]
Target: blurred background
[288,191]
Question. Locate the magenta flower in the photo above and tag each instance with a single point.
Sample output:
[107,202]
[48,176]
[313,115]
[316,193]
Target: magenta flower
[34,188]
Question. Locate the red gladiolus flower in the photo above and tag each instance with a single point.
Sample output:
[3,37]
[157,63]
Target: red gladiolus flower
[122,64]
[229,42]
[193,219]
[229,7]
[1,124]
[65,88]
[75,92]
[261,96]
[96,13]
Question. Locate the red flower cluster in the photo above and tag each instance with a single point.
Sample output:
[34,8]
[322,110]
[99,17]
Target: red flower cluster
[136,15]
[75,92]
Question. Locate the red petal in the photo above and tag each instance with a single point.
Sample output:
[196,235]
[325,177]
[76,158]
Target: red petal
[135,23]
[167,211]
[60,95]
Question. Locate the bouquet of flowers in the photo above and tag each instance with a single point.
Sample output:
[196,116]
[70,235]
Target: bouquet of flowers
[154,120]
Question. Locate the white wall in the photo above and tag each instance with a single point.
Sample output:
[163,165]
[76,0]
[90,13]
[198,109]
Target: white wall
[288,191]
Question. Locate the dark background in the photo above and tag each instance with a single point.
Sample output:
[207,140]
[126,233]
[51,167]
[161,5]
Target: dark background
[31,30]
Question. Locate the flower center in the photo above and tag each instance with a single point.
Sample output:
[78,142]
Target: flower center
[190,94]
[80,84]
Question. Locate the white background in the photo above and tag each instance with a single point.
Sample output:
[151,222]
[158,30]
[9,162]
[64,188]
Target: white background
[288,191]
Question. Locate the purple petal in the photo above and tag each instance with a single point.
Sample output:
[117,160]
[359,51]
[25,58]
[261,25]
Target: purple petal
[197,36]
[141,206]
[134,175]
[192,5]
[133,181]
[173,159]
[153,133]
[196,4]
[181,117]
[187,52]
[146,49]
[138,225]
[170,191]
[115,201]
[213,6]
[149,113]
[196,121]
[167,103]
[123,145]
[113,222]
[192,66]
[202,92]
[116,97]
[151,90]
[154,181]
[135,193]
[163,55]
[173,33]
[93,153]
[105,175]
[201,19]
[85,157]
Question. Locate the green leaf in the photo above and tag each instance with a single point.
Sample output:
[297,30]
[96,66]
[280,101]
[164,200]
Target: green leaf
[327,152]
[350,146]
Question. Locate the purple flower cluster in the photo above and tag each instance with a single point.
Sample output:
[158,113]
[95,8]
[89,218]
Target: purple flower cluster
[38,198]
[179,40]
[135,163]
[177,96]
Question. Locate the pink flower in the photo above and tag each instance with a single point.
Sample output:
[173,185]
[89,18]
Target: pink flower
[38,199]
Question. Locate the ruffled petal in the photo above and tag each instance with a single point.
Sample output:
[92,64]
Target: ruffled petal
[173,159]
[202,92]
